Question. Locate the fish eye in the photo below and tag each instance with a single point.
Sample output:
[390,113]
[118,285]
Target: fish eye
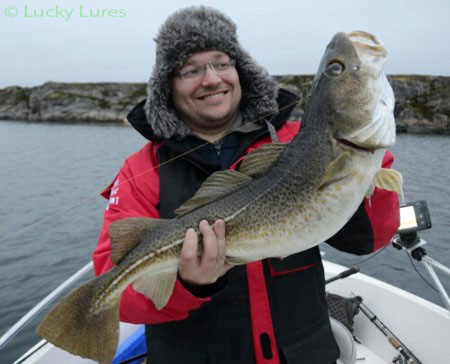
[334,68]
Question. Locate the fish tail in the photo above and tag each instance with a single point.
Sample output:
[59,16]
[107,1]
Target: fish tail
[73,326]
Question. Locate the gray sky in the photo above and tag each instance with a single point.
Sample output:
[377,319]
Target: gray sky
[285,36]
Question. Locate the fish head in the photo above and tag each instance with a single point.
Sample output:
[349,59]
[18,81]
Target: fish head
[352,94]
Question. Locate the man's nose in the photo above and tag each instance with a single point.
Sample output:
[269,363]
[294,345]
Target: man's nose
[210,78]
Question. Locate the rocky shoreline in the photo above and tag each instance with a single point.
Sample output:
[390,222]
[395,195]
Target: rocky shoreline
[422,102]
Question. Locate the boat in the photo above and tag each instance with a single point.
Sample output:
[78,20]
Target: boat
[387,324]
[423,327]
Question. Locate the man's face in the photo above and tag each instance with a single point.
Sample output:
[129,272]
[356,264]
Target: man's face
[207,104]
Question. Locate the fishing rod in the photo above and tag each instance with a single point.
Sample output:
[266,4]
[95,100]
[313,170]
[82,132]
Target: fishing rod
[344,274]
[407,357]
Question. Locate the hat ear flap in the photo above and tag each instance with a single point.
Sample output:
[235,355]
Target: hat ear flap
[159,109]
[259,90]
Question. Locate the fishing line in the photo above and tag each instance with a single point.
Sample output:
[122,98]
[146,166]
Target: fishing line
[85,199]
[410,259]
[372,256]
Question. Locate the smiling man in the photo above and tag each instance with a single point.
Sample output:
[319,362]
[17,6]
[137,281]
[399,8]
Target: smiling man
[209,104]
[207,93]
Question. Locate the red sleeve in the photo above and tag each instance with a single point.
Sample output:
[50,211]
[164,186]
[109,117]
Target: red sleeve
[135,193]
[383,210]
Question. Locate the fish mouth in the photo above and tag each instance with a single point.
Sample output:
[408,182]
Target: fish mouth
[348,145]
[368,47]
[365,41]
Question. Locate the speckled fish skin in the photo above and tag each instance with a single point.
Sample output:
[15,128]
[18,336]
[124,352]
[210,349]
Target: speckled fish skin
[287,210]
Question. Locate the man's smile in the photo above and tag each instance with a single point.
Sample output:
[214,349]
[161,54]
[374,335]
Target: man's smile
[213,95]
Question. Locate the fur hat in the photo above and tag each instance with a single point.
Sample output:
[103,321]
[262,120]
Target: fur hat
[195,29]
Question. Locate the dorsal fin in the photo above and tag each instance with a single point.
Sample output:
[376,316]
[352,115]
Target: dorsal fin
[215,186]
[260,160]
[126,233]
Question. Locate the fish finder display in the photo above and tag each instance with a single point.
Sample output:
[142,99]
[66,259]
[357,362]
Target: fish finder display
[414,216]
[407,218]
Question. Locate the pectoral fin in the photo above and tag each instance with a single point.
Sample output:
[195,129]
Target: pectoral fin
[387,179]
[335,171]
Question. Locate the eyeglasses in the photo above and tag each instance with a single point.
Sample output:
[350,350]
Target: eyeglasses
[193,73]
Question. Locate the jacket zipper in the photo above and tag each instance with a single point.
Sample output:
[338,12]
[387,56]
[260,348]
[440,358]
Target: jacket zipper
[218,147]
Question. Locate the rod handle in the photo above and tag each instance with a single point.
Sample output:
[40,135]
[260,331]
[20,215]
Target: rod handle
[344,274]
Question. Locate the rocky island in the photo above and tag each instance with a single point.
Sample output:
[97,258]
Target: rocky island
[422,102]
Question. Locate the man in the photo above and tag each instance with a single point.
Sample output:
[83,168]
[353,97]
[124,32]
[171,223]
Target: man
[208,105]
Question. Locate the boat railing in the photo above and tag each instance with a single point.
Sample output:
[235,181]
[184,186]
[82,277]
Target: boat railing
[19,325]
[418,253]
[429,263]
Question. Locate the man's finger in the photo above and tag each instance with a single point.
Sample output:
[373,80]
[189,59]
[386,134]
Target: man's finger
[188,257]
[210,248]
[219,229]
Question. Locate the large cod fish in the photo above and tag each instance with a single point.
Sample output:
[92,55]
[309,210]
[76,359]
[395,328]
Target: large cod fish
[285,198]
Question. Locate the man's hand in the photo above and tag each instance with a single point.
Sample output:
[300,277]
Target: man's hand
[211,265]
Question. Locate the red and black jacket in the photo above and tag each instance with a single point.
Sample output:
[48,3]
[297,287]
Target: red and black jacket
[271,311]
